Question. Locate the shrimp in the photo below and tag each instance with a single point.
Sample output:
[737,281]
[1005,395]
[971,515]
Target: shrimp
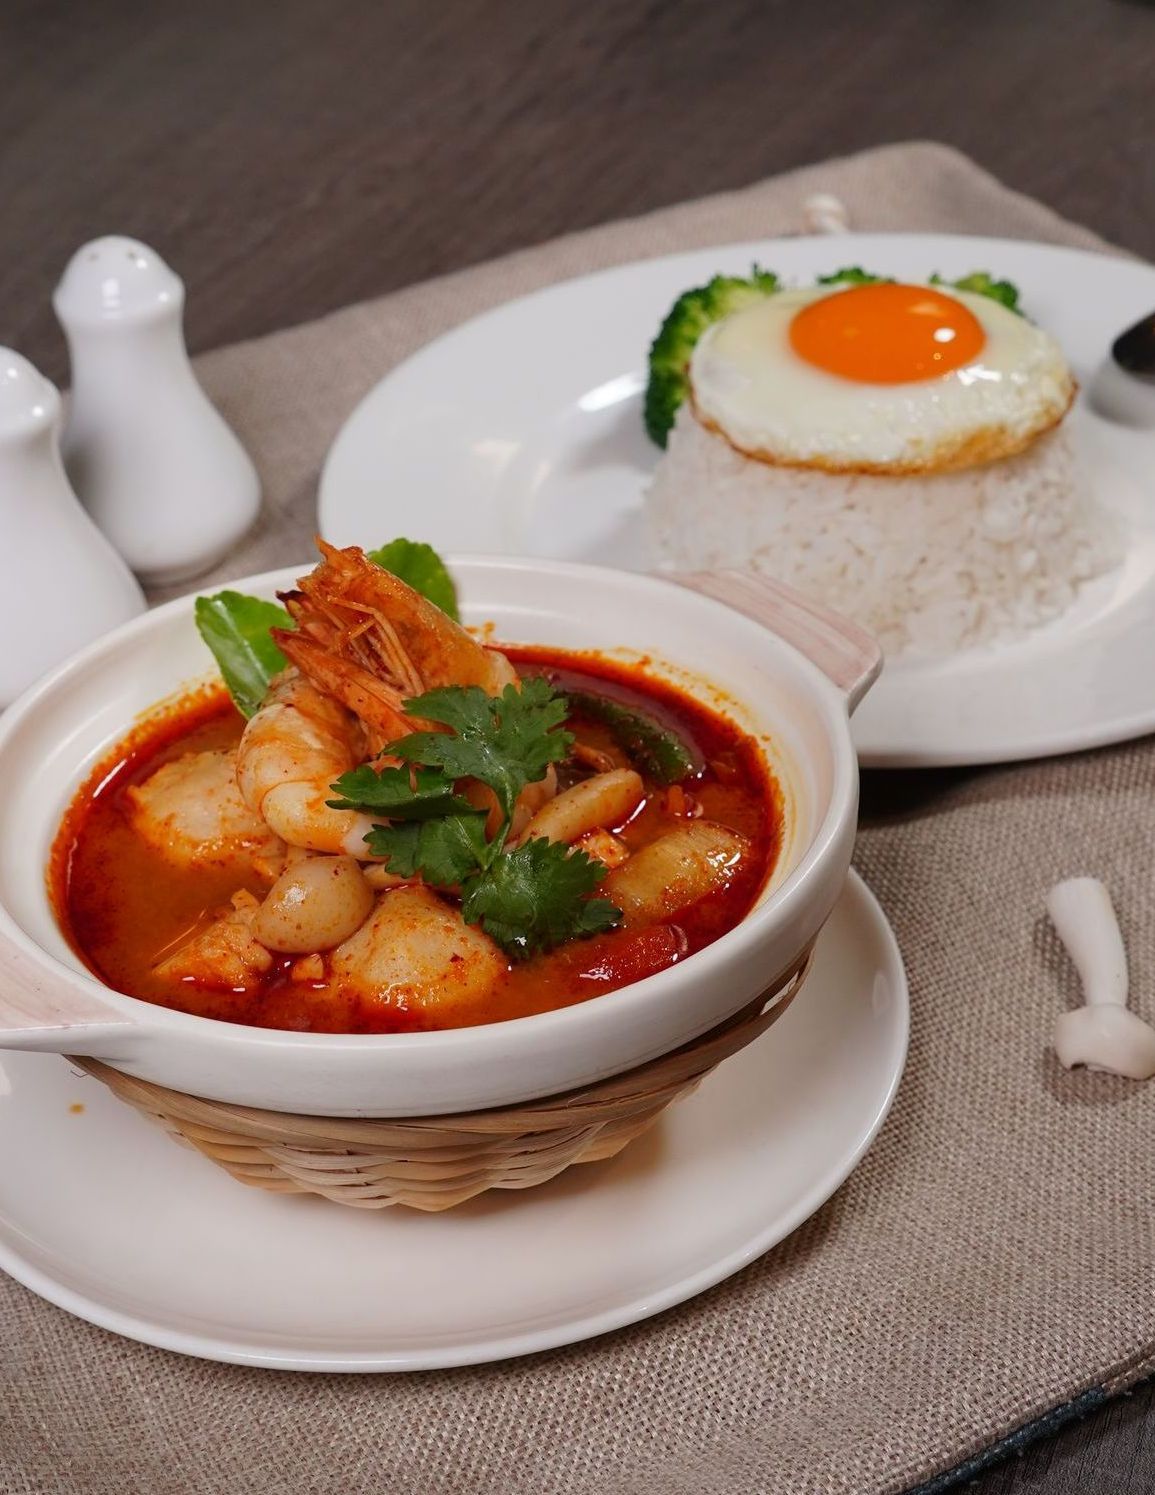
[371,642]
[293,748]
[364,644]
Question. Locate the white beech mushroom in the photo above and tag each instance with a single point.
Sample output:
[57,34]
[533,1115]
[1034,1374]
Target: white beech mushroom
[1102,1034]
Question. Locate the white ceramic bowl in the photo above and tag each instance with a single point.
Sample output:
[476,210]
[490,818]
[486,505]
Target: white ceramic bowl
[50,739]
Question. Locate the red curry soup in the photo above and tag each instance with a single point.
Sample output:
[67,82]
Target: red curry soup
[159,870]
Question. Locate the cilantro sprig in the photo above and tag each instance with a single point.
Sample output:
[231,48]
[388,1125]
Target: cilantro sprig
[446,852]
[535,897]
[400,793]
[527,899]
[505,741]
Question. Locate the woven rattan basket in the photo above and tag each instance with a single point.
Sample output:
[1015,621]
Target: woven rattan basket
[436,1162]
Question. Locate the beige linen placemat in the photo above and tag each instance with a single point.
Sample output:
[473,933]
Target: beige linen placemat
[991,1259]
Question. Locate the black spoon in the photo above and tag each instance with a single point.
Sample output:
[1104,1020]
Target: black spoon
[1134,350]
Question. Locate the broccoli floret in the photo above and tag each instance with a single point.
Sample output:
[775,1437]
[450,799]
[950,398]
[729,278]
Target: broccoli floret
[854,275]
[688,318]
[983,283]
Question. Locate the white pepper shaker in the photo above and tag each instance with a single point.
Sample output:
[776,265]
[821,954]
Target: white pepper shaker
[151,458]
[64,583]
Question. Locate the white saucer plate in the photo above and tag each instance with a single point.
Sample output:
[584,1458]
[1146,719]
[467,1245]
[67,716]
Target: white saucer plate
[521,432]
[105,1216]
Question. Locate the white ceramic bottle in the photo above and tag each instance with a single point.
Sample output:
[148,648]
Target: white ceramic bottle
[64,585]
[151,458]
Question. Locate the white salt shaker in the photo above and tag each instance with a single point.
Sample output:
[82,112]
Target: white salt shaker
[63,584]
[152,460]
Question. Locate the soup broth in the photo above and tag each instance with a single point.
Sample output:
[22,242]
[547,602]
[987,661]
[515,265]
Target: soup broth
[125,905]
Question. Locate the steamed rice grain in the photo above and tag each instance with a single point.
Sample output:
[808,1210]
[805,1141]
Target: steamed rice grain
[928,563]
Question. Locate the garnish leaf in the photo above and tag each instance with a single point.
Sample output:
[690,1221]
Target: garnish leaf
[419,566]
[399,793]
[534,897]
[236,629]
[453,848]
[983,283]
[444,851]
[505,742]
[854,275]
[398,845]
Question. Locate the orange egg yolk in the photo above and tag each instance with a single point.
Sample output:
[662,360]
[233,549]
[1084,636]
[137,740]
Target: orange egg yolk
[887,334]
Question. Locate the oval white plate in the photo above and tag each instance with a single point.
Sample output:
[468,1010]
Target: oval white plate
[102,1214]
[521,432]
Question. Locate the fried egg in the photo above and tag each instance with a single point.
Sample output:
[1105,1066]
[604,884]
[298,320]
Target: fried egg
[884,378]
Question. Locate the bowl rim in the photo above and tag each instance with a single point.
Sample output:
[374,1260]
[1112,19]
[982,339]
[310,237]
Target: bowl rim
[706,965]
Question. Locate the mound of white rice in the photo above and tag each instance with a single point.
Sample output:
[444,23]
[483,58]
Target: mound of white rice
[928,564]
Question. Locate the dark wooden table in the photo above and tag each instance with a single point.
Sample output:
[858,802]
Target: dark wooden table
[292,158]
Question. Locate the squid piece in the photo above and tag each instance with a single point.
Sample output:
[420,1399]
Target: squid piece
[192,812]
[417,953]
[596,803]
[665,877]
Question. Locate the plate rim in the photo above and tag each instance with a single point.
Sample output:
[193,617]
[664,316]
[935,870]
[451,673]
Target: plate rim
[573,1329]
[1027,745]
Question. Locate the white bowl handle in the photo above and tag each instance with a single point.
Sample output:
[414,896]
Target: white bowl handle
[42,1010]
[844,652]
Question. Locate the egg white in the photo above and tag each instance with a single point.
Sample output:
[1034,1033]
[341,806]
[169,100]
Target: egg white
[749,385]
